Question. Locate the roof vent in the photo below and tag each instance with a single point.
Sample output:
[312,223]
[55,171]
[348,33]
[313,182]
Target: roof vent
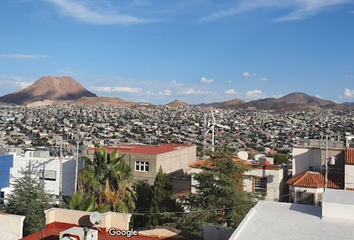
[78,233]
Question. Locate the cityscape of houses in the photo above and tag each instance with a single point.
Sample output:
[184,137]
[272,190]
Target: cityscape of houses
[317,144]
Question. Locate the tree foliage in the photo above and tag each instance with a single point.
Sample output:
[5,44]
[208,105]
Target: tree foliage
[80,202]
[162,200]
[220,199]
[108,179]
[29,198]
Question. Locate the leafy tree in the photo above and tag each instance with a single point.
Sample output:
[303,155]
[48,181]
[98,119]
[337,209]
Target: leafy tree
[220,199]
[108,179]
[143,202]
[162,200]
[30,199]
[80,202]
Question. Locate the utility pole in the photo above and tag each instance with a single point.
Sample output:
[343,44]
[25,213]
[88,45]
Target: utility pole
[326,164]
[61,170]
[204,143]
[76,165]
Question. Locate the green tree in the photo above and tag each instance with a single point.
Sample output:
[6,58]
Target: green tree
[80,202]
[29,198]
[108,179]
[143,202]
[220,199]
[162,200]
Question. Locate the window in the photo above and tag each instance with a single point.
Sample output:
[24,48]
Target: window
[141,166]
[49,175]
[260,185]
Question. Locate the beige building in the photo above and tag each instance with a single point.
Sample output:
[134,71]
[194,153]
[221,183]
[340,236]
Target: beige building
[266,180]
[145,160]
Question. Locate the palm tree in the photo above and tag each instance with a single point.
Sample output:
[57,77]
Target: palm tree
[108,179]
[80,202]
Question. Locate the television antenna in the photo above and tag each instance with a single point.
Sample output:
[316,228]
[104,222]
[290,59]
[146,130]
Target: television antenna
[211,125]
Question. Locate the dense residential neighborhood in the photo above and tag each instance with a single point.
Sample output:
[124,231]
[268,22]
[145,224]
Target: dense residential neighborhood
[283,157]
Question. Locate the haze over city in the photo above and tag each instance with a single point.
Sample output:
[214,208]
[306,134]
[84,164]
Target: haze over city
[196,51]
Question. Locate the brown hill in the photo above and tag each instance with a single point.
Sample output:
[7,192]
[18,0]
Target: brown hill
[107,100]
[49,88]
[177,103]
[234,103]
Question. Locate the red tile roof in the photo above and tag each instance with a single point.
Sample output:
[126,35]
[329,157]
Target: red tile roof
[315,180]
[146,149]
[207,163]
[350,156]
[52,231]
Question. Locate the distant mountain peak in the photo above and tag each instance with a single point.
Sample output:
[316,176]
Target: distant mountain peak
[49,88]
[177,103]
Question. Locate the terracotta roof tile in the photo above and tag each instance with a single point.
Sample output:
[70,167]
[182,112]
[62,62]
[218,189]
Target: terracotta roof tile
[315,180]
[350,156]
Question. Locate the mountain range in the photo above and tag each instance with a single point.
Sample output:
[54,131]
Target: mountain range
[53,90]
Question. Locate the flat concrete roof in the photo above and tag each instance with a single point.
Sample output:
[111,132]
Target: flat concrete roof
[279,221]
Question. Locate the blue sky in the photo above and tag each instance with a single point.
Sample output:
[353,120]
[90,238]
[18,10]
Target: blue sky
[193,50]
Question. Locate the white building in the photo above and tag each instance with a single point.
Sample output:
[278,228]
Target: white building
[278,221]
[48,167]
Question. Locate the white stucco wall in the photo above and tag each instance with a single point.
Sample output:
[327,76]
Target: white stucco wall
[11,226]
[274,178]
[48,163]
[349,176]
[338,204]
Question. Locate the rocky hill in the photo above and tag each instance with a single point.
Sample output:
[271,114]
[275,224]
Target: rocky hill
[48,88]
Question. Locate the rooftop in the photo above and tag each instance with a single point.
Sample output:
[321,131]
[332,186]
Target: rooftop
[316,180]
[146,149]
[278,221]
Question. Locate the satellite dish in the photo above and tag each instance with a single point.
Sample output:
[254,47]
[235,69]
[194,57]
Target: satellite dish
[243,155]
[95,218]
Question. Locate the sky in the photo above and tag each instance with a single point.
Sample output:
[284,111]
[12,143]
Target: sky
[197,51]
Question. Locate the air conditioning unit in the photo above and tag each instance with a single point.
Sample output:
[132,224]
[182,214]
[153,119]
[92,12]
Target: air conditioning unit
[78,233]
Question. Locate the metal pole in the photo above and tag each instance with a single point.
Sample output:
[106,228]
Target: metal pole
[326,164]
[61,169]
[212,138]
[204,143]
[76,165]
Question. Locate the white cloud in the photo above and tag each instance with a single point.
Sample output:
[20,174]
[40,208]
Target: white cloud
[80,11]
[13,83]
[299,9]
[117,89]
[166,92]
[173,81]
[253,93]
[264,79]
[348,93]
[230,91]
[206,80]
[318,95]
[229,81]
[246,74]
[194,92]
[254,74]
[23,56]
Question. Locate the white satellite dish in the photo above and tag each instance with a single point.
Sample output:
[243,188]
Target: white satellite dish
[243,155]
[95,218]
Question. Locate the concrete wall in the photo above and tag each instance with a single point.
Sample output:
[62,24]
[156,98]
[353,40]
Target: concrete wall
[349,177]
[130,159]
[52,163]
[109,219]
[11,226]
[193,181]
[303,157]
[177,160]
[338,204]
[274,182]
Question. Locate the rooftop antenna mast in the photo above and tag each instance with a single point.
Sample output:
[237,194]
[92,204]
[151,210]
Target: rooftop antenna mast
[214,124]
